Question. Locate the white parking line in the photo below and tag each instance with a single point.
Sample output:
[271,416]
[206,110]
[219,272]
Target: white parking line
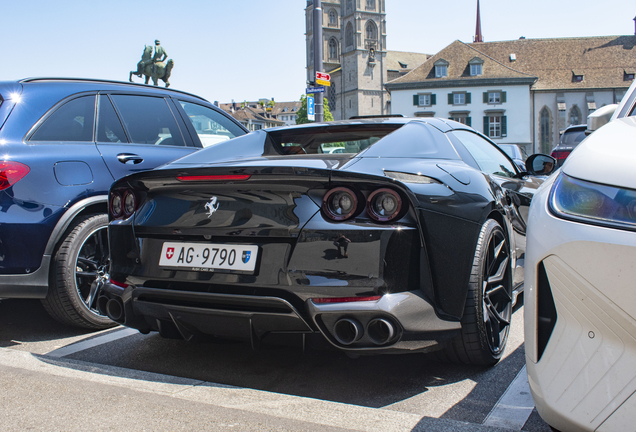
[90,343]
[515,405]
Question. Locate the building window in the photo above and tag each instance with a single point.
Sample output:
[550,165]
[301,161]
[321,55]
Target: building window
[475,66]
[349,6]
[577,77]
[441,68]
[575,115]
[372,31]
[333,49]
[494,126]
[370,4]
[494,97]
[628,76]
[424,99]
[333,18]
[462,118]
[544,131]
[349,35]
[460,98]
[332,97]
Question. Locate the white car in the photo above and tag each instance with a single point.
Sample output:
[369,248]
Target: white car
[580,284]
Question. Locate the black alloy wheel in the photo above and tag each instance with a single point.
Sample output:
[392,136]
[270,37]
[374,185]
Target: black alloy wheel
[79,271]
[488,310]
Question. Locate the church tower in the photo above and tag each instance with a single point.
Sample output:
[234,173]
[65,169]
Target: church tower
[354,50]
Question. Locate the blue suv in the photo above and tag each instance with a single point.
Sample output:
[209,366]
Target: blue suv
[62,144]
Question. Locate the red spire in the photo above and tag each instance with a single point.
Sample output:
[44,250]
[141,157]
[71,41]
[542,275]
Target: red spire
[478,37]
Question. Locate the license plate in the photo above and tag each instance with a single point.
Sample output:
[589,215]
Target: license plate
[208,257]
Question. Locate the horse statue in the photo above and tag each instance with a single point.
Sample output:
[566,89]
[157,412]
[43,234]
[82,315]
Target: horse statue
[157,71]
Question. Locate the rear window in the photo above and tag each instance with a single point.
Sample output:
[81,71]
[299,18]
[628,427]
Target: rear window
[328,140]
[573,137]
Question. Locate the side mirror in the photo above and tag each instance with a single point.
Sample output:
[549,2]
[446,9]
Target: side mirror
[600,117]
[540,165]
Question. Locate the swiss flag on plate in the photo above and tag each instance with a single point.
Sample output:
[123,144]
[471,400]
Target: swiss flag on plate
[170,252]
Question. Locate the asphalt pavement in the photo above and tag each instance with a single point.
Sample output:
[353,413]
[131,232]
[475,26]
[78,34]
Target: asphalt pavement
[56,378]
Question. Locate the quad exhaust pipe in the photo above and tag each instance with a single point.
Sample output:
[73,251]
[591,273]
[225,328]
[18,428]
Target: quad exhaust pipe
[380,331]
[113,308]
[347,331]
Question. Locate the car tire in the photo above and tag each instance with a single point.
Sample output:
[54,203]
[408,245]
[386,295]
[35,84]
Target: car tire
[488,308]
[79,268]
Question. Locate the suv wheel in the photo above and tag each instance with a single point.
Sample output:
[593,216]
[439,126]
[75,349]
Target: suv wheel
[79,270]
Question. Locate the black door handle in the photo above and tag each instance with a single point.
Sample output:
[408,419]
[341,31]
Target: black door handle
[127,157]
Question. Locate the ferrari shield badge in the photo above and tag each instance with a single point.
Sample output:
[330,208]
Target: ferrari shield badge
[212,206]
[246,256]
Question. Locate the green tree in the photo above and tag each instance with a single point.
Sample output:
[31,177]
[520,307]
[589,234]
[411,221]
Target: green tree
[301,114]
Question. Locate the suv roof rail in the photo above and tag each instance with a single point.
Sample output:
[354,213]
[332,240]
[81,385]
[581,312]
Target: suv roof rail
[106,81]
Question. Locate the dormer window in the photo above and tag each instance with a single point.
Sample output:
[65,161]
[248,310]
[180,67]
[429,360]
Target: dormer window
[441,68]
[475,66]
[577,76]
[628,75]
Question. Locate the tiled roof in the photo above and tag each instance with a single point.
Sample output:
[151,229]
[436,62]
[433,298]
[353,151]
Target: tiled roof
[549,63]
[245,114]
[411,60]
[292,108]
[601,60]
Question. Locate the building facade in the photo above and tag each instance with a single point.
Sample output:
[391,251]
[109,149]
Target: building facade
[355,55]
[524,91]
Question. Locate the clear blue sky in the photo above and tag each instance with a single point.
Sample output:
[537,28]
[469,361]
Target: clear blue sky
[250,49]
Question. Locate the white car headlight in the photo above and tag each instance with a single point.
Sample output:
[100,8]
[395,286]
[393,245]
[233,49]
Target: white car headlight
[594,203]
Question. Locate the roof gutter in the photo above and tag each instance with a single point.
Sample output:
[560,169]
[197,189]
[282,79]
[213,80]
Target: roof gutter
[483,82]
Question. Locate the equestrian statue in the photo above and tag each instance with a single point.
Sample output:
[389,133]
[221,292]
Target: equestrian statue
[154,66]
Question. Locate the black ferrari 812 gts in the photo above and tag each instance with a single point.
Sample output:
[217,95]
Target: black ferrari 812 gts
[409,237]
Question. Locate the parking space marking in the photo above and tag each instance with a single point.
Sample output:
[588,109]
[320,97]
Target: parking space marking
[90,343]
[284,406]
[514,407]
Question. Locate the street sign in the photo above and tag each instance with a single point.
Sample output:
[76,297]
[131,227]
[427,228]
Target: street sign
[310,108]
[310,90]
[323,76]
[323,82]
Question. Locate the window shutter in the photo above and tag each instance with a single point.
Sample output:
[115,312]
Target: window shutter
[486,125]
[450,98]
[469,122]
[467,98]
[485,97]
[416,99]
[504,128]
[433,99]
[503,96]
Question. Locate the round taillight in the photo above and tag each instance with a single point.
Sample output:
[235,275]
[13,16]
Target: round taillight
[130,203]
[340,203]
[384,205]
[115,204]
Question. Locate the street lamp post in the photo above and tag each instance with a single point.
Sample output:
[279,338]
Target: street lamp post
[318,55]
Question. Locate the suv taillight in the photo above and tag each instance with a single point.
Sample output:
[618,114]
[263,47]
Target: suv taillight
[11,172]
[560,156]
